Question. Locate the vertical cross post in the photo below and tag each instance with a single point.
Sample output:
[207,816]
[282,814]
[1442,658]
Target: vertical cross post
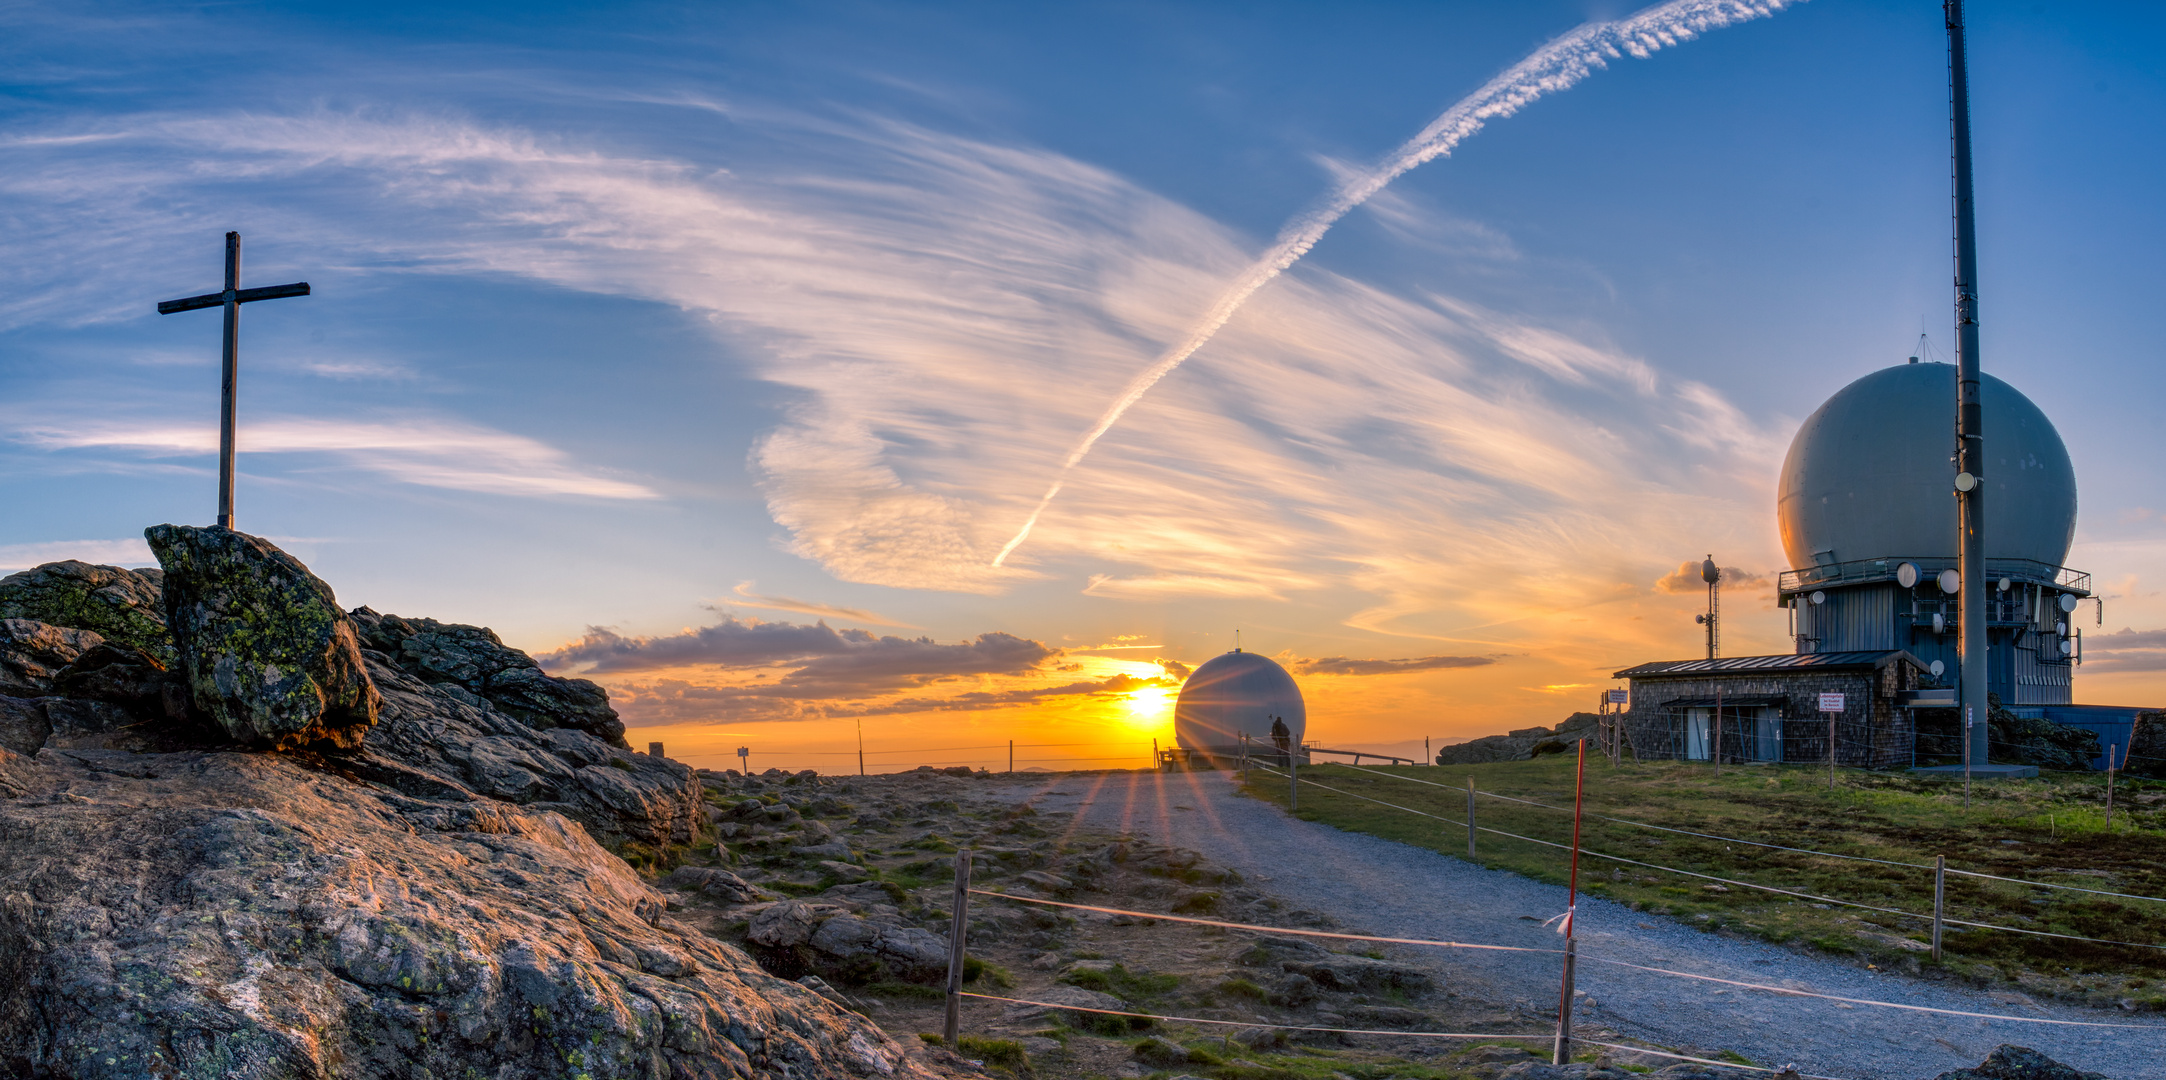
[229,375]
[958,927]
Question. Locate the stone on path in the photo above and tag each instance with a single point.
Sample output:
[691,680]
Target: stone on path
[2011,1062]
[262,645]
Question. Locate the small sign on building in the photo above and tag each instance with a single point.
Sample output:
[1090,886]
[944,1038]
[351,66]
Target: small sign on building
[1616,697]
[1831,703]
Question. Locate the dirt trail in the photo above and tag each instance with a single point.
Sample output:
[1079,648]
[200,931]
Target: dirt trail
[1388,888]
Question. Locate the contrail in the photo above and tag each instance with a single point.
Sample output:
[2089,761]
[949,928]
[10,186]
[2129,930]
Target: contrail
[1559,65]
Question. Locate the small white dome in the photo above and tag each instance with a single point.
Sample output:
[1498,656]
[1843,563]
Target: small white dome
[1233,694]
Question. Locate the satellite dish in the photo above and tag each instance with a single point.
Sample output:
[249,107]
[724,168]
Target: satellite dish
[1940,623]
[1952,582]
[2068,601]
[1965,481]
[2067,647]
[1819,597]
[1709,572]
[2005,583]
[1906,575]
[1937,668]
[2061,628]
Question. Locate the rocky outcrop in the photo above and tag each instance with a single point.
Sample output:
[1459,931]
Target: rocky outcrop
[229,915]
[475,659]
[265,650]
[1523,744]
[2038,741]
[121,606]
[2011,1062]
[446,734]
[2147,746]
[33,653]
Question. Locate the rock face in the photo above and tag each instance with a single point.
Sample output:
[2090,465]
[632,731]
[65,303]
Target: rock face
[474,658]
[265,651]
[2040,742]
[2147,746]
[228,915]
[2011,1062]
[1521,745]
[795,935]
[33,653]
[121,606]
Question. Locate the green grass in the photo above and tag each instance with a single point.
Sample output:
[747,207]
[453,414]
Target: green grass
[1136,986]
[2056,823]
[1004,1055]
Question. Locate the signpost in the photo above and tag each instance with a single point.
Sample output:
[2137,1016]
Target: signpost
[1831,704]
[744,760]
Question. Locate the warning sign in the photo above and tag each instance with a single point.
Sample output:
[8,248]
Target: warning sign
[1831,703]
[1616,697]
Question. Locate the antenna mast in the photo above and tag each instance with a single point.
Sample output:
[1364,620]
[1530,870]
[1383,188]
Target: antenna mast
[1970,434]
[1712,575]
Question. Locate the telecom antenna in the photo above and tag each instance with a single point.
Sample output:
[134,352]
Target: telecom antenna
[1970,428]
[1712,575]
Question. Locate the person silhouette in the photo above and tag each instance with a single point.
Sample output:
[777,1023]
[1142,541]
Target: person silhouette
[1281,737]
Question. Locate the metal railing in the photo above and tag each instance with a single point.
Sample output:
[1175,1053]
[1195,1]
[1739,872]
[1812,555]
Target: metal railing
[1860,571]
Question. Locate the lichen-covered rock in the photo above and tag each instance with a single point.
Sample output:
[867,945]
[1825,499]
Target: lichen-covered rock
[225,915]
[265,650]
[2147,746]
[2011,1062]
[32,653]
[796,935]
[122,606]
[1522,744]
[474,658]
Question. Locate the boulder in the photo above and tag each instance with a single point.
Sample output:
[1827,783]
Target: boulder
[1344,973]
[23,726]
[716,882]
[249,916]
[474,658]
[32,653]
[1074,997]
[2038,741]
[125,676]
[261,643]
[2011,1062]
[122,606]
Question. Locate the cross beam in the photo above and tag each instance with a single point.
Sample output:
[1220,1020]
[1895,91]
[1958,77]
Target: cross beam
[231,298]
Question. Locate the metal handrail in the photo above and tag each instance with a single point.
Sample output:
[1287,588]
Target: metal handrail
[1860,571]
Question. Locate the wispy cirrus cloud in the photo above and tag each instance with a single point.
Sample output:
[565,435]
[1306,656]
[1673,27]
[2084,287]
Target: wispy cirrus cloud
[952,313]
[743,596]
[429,452]
[1341,665]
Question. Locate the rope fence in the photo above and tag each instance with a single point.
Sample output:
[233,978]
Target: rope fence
[1374,1031]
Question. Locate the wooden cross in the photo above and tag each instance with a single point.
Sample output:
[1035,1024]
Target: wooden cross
[231,299]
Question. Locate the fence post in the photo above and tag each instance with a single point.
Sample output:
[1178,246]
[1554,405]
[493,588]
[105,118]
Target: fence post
[1940,899]
[1831,750]
[1011,757]
[1470,815]
[2109,787]
[1293,781]
[957,929]
[1563,1050]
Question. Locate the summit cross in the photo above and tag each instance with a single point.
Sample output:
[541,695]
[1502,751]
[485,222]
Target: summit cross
[231,298]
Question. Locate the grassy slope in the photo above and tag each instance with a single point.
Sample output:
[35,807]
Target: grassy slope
[2051,829]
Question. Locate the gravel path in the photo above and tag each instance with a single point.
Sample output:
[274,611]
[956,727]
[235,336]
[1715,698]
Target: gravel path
[1392,889]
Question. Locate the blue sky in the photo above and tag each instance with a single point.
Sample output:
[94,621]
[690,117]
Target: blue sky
[649,318]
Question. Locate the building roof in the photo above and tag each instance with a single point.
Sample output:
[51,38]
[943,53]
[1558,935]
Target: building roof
[1753,665]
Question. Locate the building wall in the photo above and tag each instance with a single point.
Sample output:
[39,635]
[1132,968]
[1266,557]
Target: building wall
[2023,666]
[1873,733]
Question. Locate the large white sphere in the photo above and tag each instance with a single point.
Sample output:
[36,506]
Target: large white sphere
[1869,474]
[1236,693]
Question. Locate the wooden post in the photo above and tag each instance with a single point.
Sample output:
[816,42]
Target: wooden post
[958,928]
[1562,1052]
[1940,900]
[1831,747]
[1011,757]
[1470,815]
[2109,786]
[1293,781]
[1718,730]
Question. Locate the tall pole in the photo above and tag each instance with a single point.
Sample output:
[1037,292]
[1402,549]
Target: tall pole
[958,928]
[1563,1050]
[1970,432]
[229,376]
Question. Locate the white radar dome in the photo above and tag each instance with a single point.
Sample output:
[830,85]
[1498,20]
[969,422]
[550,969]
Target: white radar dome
[1870,475]
[1233,694]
